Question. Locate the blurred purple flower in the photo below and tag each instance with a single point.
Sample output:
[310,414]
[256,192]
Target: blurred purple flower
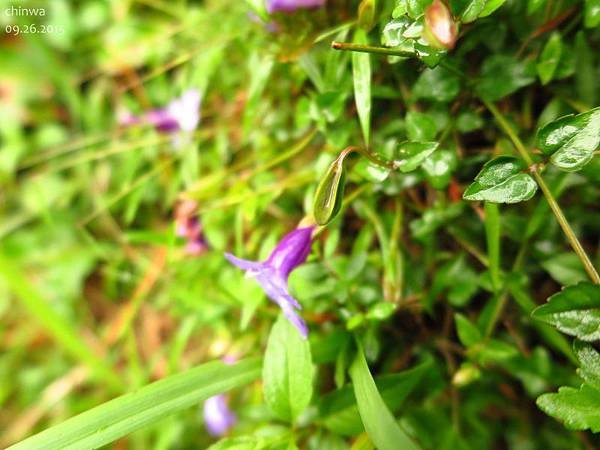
[272,274]
[189,227]
[182,113]
[292,5]
[218,418]
[271,27]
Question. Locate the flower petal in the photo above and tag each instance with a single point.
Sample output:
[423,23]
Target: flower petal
[217,415]
[244,264]
[296,320]
[291,251]
[276,289]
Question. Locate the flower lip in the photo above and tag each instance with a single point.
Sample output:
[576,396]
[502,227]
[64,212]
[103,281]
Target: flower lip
[272,274]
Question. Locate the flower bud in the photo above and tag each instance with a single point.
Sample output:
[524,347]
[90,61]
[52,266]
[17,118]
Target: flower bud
[440,29]
[466,374]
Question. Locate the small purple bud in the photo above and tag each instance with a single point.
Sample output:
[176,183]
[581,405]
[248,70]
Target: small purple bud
[273,274]
[292,5]
[218,418]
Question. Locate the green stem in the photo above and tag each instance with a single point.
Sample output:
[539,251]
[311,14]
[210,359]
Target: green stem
[370,156]
[370,49]
[554,206]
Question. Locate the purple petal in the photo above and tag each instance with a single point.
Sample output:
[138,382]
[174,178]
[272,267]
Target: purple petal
[244,264]
[292,5]
[276,289]
[186,110]
[162,120]
[291,251]
[217,415]
[297,321]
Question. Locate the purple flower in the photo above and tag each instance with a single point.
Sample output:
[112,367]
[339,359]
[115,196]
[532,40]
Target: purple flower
[292,5]
[188,226]
[218,418]
[181,114]
[272,274]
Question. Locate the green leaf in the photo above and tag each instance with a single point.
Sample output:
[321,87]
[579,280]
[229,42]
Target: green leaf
[361,69]
[438,85]
[490,7]
[411,155]
[589,362]
[501,75]
[330,192]
[338,409]
[591,13]
[468,333]
[472,11]
[575,311]
[501,180]
[117,418]
[420,126]
[380,424]
[287,371]
[393,34]
[549,58]
[578,409]
[565,268]
[479,8]
[585,77]
[571,140]
[439,167]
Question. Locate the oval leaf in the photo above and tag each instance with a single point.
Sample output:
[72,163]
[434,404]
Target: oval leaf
[575,311]
[571,140]
[412,154]
[287,371]
[502,181]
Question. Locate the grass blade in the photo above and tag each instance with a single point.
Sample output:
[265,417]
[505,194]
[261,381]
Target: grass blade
[379,422]
[361,70]
[123,415]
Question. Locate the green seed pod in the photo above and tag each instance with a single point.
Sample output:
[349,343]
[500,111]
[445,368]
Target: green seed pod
[328,198]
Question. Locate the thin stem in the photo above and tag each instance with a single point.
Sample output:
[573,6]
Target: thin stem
[554,206]
[390,165]
[347,46]
[564,224]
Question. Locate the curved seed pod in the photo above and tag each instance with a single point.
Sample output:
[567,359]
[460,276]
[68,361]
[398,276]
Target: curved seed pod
[328,197]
